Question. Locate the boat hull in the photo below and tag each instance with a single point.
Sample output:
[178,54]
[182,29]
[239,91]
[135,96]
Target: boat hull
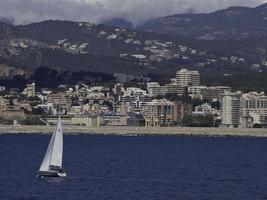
[51,174]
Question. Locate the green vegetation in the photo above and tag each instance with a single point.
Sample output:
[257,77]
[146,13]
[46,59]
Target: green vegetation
[198,121]
[50,78]
[246,81]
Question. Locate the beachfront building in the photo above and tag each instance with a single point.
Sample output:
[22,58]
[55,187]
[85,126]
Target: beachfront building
[159,113]
[230,110]
[181,110]
[256,105]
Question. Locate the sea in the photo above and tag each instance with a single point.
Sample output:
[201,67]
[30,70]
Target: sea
[136,168]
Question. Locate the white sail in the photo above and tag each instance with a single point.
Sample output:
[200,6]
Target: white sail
[54,151]
[57,153]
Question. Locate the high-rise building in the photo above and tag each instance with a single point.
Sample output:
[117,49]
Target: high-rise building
[230,110]
[187,78]
[30,89]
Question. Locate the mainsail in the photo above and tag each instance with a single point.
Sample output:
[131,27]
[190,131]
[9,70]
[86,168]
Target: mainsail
[54,152]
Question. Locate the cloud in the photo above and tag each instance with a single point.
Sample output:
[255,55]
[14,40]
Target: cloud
[136,11]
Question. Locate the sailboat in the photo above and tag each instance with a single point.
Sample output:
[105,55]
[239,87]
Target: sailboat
[52,162]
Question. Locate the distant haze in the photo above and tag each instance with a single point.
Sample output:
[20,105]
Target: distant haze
[136,11]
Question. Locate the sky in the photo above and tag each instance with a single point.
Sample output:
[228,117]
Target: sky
[136,11]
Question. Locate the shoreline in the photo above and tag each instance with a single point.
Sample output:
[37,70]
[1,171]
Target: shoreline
[137,131]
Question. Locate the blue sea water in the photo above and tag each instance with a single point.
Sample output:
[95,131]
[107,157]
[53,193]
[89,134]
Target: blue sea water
[115,167]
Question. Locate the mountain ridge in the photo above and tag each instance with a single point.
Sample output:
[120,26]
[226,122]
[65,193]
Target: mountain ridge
[222,24]
[66,45]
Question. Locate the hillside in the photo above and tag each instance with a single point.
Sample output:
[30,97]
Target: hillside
[232,23]
[83,46]
[74,46]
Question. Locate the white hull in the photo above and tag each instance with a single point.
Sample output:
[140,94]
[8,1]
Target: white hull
[51,174]
[62,174]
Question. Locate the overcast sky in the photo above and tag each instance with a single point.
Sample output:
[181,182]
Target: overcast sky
[136,11]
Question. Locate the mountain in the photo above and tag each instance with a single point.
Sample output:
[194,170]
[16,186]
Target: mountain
[118,22]
[74,46]
[232,23]
[65,45]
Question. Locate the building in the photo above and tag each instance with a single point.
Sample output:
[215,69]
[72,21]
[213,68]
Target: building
[154,89]
[196,90]
[159,113]
[61,102]
[30,89]
[134,91]
[181,110]
[118,89]
[187,78]
[205,109]
[134,98]
[208,93]
[256,105]
[230,110]
[175,89]
[135,119]
[213,93]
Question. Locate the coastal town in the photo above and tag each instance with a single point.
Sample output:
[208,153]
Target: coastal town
[183,102]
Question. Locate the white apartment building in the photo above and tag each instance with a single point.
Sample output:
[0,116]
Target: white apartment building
[230,110]
[187,78]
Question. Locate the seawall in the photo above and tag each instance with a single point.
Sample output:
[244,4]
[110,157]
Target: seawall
[174,131]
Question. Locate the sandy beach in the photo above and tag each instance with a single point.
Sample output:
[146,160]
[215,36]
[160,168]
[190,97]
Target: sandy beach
[174,131]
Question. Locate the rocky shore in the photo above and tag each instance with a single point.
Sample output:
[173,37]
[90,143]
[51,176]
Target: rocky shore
[128,131]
